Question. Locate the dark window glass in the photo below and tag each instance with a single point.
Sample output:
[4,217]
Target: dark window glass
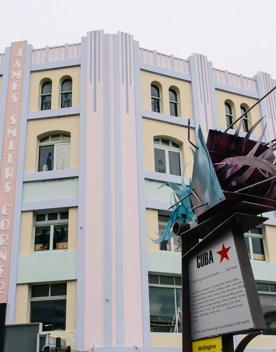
[46,88]
[173,103]
[42,238]
[229,114]
[46,158]
[268,304]
[66,100]
[258,247]
[165,141]
[262,286]
[257,230]
[45,102]
[272,287]
[153,279]
[160,160]
[51,314]
[174,160]
[164,246]
[52,216]
[63,215]
[245,124]
[177,280]
[40,217]
[40,291]
[58,289]
[155,98]
[166,280]
[66,85]
[60,237]
[162,309]
[46,97]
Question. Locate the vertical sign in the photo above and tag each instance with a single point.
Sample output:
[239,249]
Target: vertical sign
[8,168]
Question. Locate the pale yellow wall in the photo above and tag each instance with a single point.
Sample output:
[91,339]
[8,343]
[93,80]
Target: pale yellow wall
[55,76]
[165,340]
[26,235]
[270,244]
[183,87]
[27,240]
[152,229]
[153,128]
[22,314]
[38,127]
[237,100]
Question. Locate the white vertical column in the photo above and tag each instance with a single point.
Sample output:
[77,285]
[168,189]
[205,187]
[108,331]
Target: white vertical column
[110,269]
[203,92]
[268,105]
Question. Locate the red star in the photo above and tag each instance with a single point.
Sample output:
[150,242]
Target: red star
[223,253]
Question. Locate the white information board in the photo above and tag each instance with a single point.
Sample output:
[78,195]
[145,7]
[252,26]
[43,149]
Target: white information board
[218,299]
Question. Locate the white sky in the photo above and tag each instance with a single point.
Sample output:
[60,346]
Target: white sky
[236,35]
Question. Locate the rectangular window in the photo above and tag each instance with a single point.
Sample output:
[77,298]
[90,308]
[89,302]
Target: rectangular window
[165,303]
[267,295]
[254,240]
[174,161]
[48,306]
[160,160]
[46,158]
[51,230]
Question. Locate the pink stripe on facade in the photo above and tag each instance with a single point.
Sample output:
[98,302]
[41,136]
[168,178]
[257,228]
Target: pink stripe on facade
[8,168]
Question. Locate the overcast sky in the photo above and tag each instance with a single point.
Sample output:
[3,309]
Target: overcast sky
[236,35]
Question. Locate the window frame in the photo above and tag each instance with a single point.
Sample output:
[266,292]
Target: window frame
[175,286]
[250,236]
[174,103]
[155,99]
[167,148]
[48,299]
[43,95]
[245,119]
[229,115]
[51,224]
[64,139]
[61,92]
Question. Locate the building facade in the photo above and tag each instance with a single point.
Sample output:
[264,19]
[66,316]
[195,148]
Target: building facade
[89,135]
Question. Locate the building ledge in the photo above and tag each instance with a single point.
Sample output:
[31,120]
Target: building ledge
[46,114]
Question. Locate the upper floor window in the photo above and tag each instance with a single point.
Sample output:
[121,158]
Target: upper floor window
[245,119]
[48,306]
[54,152]
[267,295]
[228,114]
[66,93]
[165,303]
[173,102]
[46,95]
[155,98]
[174,243]
[167,156]
[254,240]
[50,230]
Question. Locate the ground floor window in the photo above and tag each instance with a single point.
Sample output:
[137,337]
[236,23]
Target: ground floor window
[165,303]
[267,295]
[48,306]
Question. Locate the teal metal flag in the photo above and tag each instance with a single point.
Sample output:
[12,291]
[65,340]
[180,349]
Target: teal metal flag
[181,211]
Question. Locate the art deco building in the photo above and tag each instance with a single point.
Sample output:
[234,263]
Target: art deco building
[89,133]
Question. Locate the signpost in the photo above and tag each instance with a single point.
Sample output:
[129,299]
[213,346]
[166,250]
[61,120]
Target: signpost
[220,297]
